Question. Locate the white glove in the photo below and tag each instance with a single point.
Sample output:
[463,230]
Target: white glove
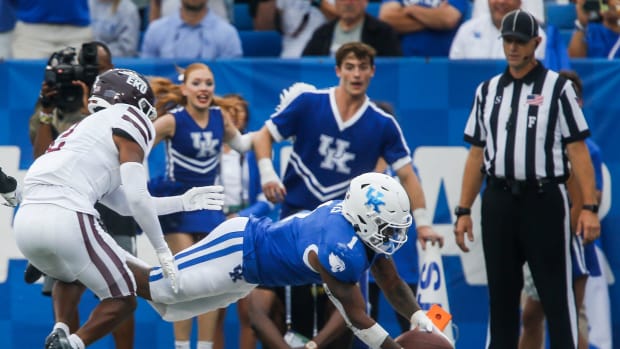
[8,189]
[11,199]
[419,319]
[166,260]
[204,198]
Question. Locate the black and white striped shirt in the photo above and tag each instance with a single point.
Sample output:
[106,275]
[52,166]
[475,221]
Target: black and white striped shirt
[525,124]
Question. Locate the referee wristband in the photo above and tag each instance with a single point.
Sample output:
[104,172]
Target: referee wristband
[420,215]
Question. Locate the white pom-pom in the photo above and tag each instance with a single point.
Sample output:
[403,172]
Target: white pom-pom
[288,94]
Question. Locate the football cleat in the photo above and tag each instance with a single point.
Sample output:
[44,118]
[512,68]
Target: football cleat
[57,340]
[32,274]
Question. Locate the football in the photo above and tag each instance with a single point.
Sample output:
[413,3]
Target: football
[416,339]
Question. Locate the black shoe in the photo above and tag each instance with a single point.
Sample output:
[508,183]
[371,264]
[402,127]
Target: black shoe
[57,340]
[32,274]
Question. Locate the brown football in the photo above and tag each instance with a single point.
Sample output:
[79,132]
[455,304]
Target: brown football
[416,339]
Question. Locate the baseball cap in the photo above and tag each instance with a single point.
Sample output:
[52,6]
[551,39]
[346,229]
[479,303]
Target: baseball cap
[519,24]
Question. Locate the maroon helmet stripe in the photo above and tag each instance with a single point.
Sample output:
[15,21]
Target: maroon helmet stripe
[141,119]
[94,257]
[130,120]
[118,263]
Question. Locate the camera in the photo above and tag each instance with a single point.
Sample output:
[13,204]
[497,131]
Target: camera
[63,68]
[593,9]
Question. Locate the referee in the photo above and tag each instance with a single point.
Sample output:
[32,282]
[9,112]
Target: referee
[525,130]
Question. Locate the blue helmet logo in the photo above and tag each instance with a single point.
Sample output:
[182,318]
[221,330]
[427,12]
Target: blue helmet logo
[374,199]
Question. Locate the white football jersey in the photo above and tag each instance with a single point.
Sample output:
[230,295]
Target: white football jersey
[82,164]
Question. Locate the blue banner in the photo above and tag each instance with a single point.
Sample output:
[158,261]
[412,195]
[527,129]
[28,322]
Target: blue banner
[432,99]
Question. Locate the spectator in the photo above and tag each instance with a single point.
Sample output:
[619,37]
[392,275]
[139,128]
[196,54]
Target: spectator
[353,24]
[479,37]
[194,135]
[426,26]
[164,8]
[597,32]
[325,159]
[117,24]
[295,19]
[535,7]
[523,144]
[45,125]
[194,32]
[44,27]
[7,23]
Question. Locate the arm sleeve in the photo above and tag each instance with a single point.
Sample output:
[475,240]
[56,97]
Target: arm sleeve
[141,204]
[117,201]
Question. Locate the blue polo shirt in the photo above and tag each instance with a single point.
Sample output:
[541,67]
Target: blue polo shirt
[170,37]
[427,43]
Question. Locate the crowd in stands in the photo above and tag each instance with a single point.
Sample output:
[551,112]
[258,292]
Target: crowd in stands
[459,29]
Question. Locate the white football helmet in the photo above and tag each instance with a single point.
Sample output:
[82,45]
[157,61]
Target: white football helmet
[378,207]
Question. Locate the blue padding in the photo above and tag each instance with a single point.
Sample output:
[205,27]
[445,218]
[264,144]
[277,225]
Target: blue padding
[373,8]
[261,43]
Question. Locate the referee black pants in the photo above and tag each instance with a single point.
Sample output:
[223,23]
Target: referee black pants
[528,223]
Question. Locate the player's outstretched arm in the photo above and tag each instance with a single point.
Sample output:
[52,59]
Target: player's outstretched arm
[133,178]
[399,294]
[348,299]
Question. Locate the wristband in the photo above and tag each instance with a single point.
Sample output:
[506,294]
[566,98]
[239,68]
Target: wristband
[420,215]
[311,345]
[316,3]
[462,211]
[580,27]
[267,173]
[592,208]
[45,118]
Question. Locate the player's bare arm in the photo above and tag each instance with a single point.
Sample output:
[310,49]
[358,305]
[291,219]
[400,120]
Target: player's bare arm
[394,288]
[352,303]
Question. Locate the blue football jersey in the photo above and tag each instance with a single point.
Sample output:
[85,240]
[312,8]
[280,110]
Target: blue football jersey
[327,152]
[193,153]
[276,254]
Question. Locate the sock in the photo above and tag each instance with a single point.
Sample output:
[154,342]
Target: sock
[62,326]
[205,345]
[76,342]
[181,344]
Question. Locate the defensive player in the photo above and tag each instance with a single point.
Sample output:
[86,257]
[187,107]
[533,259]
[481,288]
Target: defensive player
[98,159]
[332,245]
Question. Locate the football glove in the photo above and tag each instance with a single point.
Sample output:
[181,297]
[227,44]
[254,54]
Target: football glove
[168,267]
[8,189]
[204,198]
[419,319]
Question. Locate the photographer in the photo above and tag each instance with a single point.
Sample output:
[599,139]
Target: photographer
[62,103]
[597,31]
